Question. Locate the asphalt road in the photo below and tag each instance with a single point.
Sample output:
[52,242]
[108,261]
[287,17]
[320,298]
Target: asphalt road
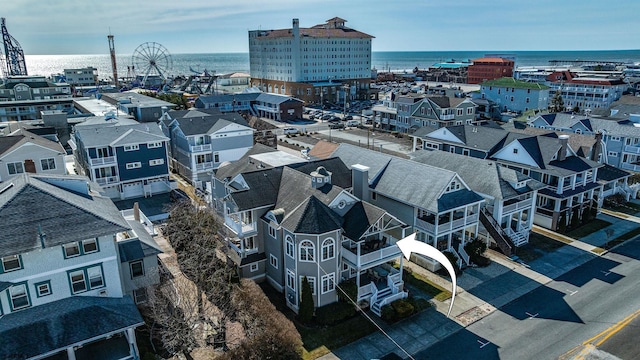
[558,317]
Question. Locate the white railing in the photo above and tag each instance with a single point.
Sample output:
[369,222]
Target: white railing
[200,148]
[204,166]
[144,220]
[365,291]
[374,294]
[239,227]
[524,204]
[632,149]
[431,228]
[107,180]
[448,225]
[103,160]
[518,238]
[386,253]
[392,298]
[463,253]
[447,117]
[395,278]
[631,167]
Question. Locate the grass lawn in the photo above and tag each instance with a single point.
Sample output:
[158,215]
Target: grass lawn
[319,341]
[538,245]
[588,228]
[427,287]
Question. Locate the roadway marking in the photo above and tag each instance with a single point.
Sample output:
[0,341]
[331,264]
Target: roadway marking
[607,333]
[483,344]
[571,293]
[532,316]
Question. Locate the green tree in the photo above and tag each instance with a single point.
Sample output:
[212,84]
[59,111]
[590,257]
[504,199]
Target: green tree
[306,302]
[557,103]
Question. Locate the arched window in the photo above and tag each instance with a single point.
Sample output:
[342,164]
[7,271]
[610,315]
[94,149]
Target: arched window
[307,251]
[328,249]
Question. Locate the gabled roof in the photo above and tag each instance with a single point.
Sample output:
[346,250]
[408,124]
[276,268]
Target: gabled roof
[194,122]
[108,134]
[30,206]
[351,155]
[482,138]
[312,217]
[276,98]
[21,137]
[359,218]
[263,189]
[340,173]
[483,176]
[245,163]
[63,323]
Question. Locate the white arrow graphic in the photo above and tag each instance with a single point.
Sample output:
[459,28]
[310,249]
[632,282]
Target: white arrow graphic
[409,244]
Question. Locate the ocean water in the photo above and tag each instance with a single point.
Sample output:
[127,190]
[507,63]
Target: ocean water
[224,63]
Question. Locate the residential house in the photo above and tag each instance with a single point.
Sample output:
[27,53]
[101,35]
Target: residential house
[278,107]
[127,158]
[201,140]
[141,107]
[510,196]
[25,97]
[443,111]
[469,140]
[24,151]
[62,295]
[298,220]
[436,203]
[232,83]
[514,96]
[228,102]
[571,180]
[405,106]
[385,115]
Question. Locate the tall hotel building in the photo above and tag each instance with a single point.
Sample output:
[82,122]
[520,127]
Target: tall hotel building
[312,64]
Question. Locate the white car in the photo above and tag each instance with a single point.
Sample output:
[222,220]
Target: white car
[290,130]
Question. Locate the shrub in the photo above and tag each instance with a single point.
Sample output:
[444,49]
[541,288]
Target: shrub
[334,313]
[476,249]
[350,288]
[306,303]
[388,313]
[418,304]
[616,200]
[403,308]
[454,261]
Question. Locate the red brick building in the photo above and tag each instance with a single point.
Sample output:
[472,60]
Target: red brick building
[485,69]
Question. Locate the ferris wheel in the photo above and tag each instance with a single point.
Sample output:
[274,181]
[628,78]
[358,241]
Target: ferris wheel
[151,59]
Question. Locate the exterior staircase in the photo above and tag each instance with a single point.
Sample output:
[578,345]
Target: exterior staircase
[377,304]
[497,233]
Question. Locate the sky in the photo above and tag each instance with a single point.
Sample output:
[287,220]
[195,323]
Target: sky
[45,27]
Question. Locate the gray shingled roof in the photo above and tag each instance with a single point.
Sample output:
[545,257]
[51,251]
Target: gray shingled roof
[263,189]
[230,170]
[351,155]
[359,218]
[27,204]
[59,324]
[196,122]
[609,173]
[483,176]
[137,249]
[275,98]
[483,138]
[295,188]
[9,143]
[312,217]
[118,135]
[340,173]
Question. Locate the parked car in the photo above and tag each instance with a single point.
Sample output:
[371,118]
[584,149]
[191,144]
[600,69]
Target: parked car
[336,125]
[348,117]
[326,117]
[334,119]
[353,123]
[290,130]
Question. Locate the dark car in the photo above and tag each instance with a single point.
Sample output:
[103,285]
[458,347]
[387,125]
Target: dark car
[336,125]
[348,117]
[326,117]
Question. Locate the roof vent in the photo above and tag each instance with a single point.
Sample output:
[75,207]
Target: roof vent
[2,191]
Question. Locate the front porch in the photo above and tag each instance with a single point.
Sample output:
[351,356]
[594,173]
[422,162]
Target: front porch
[380,285]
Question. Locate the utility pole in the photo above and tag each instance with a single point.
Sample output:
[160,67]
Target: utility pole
[346,90]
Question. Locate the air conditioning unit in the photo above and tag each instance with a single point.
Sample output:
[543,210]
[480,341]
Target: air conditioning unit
[102,293]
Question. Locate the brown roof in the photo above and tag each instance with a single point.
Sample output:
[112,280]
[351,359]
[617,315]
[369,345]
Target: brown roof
[323,149]
[20,137]
[492,60]
[319,31]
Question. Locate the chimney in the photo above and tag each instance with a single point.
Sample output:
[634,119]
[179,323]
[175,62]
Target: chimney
[597,147]
[360,181]
[136,211]
[564,140]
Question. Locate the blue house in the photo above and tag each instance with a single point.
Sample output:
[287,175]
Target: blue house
[127,158]
[516,96]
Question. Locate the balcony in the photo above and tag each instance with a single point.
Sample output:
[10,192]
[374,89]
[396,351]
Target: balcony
[447,117]
[446,226]
[107,180]
[632,167]
[632,149]
[109,160]
[239,227]
[524,204]
[204,166]
[199,148]
[368,255]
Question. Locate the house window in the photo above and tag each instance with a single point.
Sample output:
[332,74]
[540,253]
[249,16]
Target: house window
[307,251]
[469,111]
[19,297]
[137,268]
[48,164]
[11,263]
[526,100]
[465,152]
[312,283]
[289,246]
[273,261]
[459,112]
[216,157]
[78,283]
[253,267]
[131,147]
[15,168]
[374,196]
[272,231]
[613,154]
[154,145]
[140,295]
[71,250]
[328,283]
[515,151]
[156,162]
[134,165]
[43,288]
[328,249]
[615,138]
[89,246]
[95,277]
[291,282]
